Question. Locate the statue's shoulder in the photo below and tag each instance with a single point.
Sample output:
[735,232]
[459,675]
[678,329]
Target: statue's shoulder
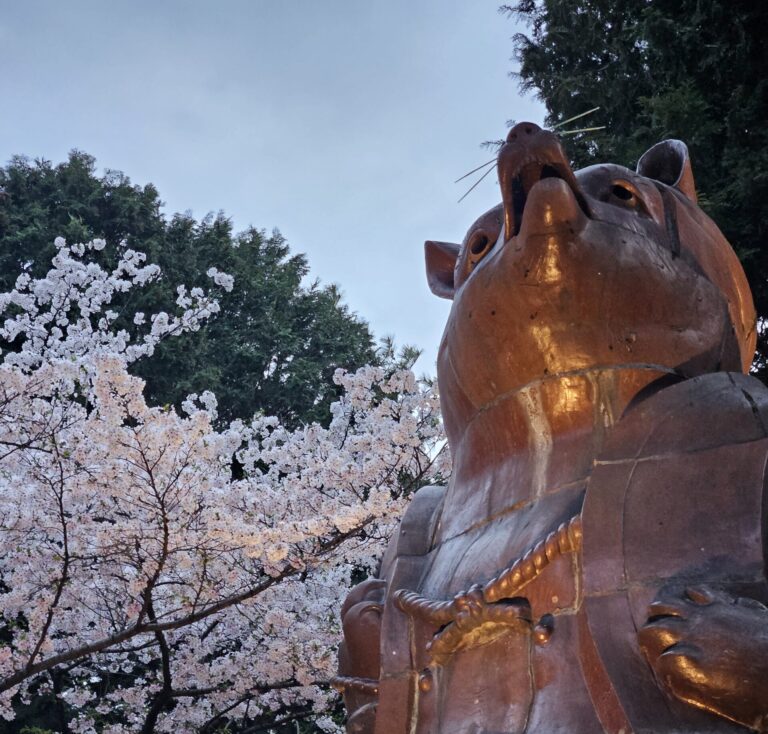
[701,413]
[417,528]
[679,488]
[675,501]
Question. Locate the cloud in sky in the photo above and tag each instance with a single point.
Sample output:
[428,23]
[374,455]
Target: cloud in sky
[341,122]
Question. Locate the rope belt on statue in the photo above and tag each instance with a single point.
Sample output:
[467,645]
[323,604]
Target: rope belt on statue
[498,602]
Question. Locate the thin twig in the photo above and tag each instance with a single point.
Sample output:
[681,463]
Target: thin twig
[145,627]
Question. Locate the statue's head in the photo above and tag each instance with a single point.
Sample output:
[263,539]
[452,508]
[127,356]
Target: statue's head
[581,270]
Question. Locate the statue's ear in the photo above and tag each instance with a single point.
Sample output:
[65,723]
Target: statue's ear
[441,260]
[669,162]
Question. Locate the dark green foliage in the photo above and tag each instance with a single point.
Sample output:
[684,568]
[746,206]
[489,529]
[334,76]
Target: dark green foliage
[275,344]
[686,69]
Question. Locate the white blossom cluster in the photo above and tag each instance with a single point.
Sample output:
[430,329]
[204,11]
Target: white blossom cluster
[226,281]
[133,564]
[66,314]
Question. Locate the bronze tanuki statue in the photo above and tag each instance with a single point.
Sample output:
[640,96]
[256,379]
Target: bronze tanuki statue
[597,562]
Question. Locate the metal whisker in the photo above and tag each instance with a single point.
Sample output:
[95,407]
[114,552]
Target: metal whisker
[493,161]
[575,117]
[493,168]
[582,130]
[482,165]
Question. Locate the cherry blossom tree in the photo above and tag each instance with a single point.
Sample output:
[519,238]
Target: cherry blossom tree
[145,584]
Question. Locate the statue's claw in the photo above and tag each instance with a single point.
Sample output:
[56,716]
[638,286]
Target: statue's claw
[711,650]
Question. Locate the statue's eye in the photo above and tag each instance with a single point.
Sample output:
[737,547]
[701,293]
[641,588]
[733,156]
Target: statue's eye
[478,246]
[624,194]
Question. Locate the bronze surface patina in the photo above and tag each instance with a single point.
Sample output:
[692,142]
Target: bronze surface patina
[597,562]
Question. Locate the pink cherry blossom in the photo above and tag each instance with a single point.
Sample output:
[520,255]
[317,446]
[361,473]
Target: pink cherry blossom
[172,595]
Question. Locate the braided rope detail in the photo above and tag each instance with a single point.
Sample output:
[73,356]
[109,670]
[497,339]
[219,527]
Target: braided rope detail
[506,585]
[437,613]
[566,539]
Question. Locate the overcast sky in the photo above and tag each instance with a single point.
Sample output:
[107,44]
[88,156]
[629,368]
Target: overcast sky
[343,123]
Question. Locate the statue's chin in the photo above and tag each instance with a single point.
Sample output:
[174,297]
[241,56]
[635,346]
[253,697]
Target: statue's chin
[548,354]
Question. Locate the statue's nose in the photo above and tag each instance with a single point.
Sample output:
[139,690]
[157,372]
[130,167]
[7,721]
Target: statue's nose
[523,132]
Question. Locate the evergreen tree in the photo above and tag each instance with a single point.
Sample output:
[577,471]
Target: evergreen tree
[275,344]
[657,69]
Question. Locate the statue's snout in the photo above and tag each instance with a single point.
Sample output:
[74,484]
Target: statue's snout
[528,156]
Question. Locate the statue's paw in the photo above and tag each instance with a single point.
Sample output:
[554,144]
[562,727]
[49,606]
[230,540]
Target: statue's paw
[711,650]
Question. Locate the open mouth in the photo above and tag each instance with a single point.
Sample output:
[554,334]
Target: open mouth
[530,174]
[521,170]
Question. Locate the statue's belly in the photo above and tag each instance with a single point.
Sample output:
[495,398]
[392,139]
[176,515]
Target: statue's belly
[490,670]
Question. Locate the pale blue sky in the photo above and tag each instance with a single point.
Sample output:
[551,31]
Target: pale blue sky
[341,122]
